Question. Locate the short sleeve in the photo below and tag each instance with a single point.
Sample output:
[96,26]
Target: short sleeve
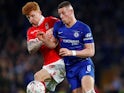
[88,37]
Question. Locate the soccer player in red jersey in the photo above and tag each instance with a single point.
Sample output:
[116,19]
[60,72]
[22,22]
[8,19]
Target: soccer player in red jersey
[53,71]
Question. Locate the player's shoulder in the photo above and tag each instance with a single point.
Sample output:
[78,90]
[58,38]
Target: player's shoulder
[51,18]
[82,24]
[30,29]
[59,23]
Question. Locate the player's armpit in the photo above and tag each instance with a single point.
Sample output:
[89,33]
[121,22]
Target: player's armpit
[33,45]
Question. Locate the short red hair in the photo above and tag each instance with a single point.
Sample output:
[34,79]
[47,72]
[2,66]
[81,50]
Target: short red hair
[29,6]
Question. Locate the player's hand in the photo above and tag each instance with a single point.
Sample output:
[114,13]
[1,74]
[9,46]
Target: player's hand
[41,35]
[49,33]
[65,52]
[45,36]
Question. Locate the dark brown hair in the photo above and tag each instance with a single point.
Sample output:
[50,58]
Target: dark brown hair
[64,4]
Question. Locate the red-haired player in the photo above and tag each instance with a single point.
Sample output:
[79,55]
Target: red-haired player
[53,71]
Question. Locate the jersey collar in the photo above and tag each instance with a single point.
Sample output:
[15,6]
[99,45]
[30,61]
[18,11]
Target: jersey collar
[41,20]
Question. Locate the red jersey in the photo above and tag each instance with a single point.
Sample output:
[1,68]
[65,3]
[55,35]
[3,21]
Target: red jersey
[49,55]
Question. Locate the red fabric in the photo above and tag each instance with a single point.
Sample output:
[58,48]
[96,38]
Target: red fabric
[97,90]
[49,55]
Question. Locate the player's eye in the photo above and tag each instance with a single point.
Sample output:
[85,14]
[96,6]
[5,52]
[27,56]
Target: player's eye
[32,15]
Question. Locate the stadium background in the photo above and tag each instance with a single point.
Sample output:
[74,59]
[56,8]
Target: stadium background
[106,19]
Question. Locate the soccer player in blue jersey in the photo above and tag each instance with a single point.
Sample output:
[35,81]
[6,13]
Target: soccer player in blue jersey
[77,46]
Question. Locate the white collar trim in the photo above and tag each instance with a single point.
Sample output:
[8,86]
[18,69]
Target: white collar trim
[41,20]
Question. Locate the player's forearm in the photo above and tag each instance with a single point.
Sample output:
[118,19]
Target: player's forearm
[33,45]
[88,51]
[85,53]
[50,43]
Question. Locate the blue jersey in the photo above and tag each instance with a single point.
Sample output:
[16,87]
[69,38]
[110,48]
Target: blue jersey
[73,38]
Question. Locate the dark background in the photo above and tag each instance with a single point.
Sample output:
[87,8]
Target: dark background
[106,19]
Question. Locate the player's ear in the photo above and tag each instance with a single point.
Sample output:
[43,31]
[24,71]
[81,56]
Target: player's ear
[72,11]
[40,12]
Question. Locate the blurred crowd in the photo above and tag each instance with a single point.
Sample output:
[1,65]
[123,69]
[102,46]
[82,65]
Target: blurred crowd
[106,19]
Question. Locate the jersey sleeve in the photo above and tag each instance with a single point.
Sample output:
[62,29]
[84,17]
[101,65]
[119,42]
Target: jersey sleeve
[88,37]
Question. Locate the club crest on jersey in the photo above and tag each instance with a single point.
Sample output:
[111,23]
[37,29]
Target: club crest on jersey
[46,26]
[76,34]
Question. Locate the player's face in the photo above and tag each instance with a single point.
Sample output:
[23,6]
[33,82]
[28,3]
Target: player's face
[64,14]
[34,17]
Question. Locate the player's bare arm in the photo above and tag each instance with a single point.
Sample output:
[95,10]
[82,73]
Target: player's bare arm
[47,38]
[89,51]
[33,45]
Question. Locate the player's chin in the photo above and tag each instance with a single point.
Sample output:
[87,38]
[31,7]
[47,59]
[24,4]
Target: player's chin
[34,24]
[64,21]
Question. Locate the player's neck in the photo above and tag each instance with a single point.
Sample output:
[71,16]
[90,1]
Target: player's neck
[71,23]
